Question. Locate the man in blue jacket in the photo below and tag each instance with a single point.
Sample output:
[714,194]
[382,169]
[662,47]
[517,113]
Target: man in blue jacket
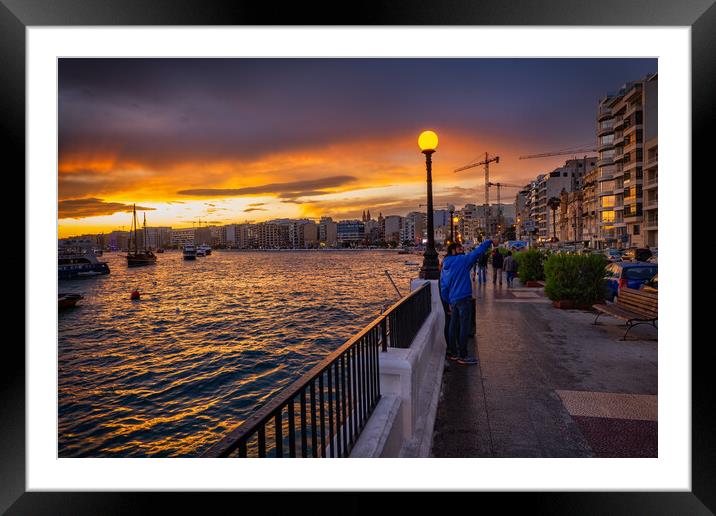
[456,289]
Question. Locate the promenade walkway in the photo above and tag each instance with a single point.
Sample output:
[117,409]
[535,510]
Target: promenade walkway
[548,384]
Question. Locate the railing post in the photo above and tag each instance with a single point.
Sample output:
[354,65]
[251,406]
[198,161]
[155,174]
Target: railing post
[384,333]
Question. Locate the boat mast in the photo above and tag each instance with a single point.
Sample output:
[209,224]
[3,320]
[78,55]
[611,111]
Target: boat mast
[144,232]
[134,221]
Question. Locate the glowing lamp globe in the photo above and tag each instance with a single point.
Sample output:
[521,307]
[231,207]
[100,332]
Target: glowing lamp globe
[428,141]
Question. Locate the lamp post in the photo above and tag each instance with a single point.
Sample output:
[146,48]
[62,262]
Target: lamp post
[428,142]
[451,209]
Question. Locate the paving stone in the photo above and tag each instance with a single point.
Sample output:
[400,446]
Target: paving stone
[530,353]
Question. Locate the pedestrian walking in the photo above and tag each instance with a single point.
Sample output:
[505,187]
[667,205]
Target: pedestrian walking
[510,266]
[497,262]
[482,269]
[456,287]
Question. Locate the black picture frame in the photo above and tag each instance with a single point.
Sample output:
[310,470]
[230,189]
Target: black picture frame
[17,15]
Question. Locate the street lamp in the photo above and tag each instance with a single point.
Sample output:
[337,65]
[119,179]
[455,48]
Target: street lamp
[428,142]
[451,209]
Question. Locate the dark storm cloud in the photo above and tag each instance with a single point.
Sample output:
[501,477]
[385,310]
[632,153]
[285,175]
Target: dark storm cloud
[284,190]
[91,207]
[163,111]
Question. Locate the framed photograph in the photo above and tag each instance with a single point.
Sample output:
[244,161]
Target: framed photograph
[419,245]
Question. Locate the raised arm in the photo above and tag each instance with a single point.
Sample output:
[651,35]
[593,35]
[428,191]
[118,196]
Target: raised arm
[478,251]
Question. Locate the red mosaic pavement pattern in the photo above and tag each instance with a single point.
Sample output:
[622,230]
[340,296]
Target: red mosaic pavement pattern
[615,424]
[610,437]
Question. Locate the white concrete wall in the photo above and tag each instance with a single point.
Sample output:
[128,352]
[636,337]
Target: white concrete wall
[411,379]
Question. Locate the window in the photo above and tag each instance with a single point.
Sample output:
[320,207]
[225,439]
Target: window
[636,229]
[607,201]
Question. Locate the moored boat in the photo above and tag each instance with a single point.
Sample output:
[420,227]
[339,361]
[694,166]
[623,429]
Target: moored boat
[137,257]
[67,300]
[76,259]
[189,252]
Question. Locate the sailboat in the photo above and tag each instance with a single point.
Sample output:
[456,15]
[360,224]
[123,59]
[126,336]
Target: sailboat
[139,257]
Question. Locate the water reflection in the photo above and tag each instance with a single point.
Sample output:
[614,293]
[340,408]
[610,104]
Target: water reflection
[208,342]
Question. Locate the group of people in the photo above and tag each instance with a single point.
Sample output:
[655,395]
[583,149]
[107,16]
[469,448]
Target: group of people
[499,264]
[456,292]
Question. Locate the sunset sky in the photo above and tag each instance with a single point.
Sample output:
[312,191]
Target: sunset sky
[230,140]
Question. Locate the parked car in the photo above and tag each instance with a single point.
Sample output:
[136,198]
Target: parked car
[627,274]
[652,285]
[613,255]
[637,254]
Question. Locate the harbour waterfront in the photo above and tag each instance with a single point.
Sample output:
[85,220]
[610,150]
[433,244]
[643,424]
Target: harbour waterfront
[208,343]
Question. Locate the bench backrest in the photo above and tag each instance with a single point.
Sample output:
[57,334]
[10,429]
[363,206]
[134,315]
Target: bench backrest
[638,301]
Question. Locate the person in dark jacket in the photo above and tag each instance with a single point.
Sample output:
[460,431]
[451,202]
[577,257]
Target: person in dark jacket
[510,266]
[456,288]
[482,269]
[496,266]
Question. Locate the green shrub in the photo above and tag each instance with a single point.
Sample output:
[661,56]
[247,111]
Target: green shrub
[530,265]
[574,277]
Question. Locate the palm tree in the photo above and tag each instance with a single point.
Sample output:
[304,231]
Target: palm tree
[554,203]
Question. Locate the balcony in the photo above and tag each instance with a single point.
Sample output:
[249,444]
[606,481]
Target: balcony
[631,128]
[604,113]
[651,185]
[603,129]
[605,146]
[632,108]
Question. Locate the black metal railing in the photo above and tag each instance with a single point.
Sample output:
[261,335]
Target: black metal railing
[323,413]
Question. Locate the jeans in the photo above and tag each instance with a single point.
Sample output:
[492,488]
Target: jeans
[495,273]
[510,277]
[481,274]
[460,319]
[446,329]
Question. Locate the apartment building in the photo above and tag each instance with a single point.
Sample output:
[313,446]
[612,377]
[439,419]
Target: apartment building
[570,217]
[350,232]
[625,120]
[390,228]
[327,232]
[271,235]
[651,193]
[590,203]
[414,225]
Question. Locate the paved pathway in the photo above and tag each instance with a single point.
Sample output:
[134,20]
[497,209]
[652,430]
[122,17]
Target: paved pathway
[548,384]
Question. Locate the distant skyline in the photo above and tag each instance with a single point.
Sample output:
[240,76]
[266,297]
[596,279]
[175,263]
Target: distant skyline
[227,140]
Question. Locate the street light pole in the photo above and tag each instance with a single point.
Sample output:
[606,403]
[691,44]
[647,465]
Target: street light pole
[428,141]
[451,209]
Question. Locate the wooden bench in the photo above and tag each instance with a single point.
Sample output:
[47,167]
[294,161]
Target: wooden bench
[633,306]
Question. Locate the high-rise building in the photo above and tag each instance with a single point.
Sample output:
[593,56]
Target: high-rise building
[625,120]
[651,193]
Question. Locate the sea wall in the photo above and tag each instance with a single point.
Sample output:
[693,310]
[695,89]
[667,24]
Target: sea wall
[402,423]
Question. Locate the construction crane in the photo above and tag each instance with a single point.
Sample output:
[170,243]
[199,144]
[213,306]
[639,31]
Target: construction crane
[573,152]
[486,162]
[560,153]
[499,205]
